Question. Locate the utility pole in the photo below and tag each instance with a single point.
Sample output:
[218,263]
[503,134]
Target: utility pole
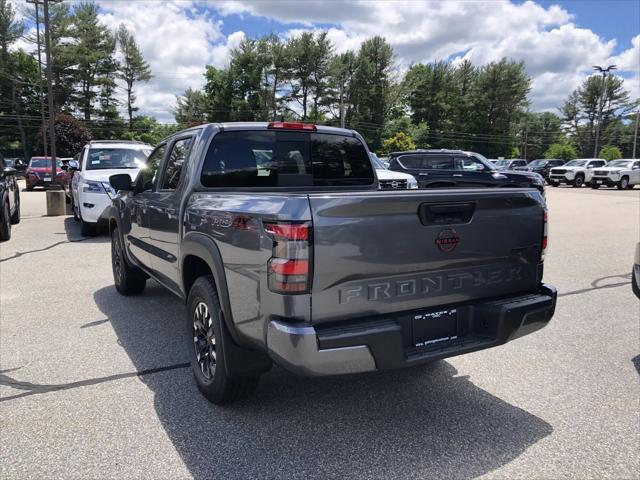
[604,72]
[44,133]
[52,112]
[635,135]
[342,119]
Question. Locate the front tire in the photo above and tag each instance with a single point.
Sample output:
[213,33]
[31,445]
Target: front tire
[208,344]
[624,183]
[127,279]
[595,186]
[5,225]
[15,218]
[578,181]
[554,183]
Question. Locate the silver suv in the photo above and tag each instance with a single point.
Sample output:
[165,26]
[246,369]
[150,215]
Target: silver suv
[624,174]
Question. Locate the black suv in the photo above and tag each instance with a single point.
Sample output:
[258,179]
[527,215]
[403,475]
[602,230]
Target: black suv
[542,166]
[456,168]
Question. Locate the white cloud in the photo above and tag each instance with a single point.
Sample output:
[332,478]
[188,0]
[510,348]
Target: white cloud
[558,54]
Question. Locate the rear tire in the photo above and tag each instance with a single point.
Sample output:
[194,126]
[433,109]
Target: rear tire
[5,224]
[127,279]
[208,344]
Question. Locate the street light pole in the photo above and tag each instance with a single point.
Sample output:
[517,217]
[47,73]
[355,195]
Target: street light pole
[604,72]
[635,135]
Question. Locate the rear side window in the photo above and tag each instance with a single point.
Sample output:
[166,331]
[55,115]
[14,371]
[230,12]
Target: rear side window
[285,159]
[410,161]
[438,163]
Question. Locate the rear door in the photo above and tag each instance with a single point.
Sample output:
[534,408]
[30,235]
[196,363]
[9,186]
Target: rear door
[375,253]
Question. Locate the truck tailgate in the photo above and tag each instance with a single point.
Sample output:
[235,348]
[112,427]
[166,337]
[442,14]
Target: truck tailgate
[376,253]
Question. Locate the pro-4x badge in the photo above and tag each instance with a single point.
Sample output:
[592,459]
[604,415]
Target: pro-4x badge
[447,240]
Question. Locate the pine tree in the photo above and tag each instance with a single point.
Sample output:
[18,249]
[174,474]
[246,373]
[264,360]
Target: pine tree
[133,67]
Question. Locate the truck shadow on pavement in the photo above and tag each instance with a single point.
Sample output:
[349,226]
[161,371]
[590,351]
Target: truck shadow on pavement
[421,422]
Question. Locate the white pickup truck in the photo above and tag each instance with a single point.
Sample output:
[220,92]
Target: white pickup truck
[624,174]
[576,172]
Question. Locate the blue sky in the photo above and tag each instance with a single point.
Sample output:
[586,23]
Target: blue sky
[559,41]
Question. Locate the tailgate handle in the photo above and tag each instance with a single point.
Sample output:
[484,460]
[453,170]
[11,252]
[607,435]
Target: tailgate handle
[446,213]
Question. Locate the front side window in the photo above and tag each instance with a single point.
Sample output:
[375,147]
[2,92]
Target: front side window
[108,158]
[149,170]
[410,161]
[285,159]
[468,164]
[175,163]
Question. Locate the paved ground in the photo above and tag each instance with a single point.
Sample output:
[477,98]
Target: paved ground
[94,385]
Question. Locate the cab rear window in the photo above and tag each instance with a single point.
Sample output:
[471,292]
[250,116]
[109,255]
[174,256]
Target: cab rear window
[285,159]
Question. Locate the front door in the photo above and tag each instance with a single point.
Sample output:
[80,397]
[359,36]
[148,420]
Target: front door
[164,214]
[472,173]
[137,238]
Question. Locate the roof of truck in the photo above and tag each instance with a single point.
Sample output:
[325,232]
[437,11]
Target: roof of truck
[264,126]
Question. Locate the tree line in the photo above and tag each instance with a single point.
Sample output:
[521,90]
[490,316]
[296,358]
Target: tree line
[439,104]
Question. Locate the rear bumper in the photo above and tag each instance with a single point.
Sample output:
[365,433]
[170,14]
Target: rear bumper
[384,343]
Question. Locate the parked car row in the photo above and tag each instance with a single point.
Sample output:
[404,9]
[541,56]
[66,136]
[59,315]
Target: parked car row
[458,169]
[593,172]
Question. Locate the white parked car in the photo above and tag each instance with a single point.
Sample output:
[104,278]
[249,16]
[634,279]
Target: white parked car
[624,173]
[390,180]
[91,192]
[576,172]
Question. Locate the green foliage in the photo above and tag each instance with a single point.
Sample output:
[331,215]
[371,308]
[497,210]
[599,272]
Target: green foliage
[71,135]
[515,152]
[562,150]
[148,130]
[399,142]
[610,152]
[538,131]
[191,108]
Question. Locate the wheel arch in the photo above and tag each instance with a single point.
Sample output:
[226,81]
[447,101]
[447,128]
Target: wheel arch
[199,255]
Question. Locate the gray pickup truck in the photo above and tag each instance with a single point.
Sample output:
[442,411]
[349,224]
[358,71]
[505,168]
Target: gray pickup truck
[283,249]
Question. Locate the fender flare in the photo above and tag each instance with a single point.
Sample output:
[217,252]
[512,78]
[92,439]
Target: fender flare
[200,245]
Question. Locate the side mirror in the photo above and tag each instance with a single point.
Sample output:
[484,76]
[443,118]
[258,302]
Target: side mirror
[479,167]
[8,171]
[121,181]
[64,167]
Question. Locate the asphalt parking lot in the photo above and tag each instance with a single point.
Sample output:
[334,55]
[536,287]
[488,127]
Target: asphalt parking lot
[96,385]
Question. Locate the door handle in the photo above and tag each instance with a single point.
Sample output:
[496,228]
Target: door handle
[171,211]
[457,175]
[423,174]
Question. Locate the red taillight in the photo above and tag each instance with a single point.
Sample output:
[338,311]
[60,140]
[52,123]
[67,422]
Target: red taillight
[289,268]
[289,231]
[545,231]
[292,126]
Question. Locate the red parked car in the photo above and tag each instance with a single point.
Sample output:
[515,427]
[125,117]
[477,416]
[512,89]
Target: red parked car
[38,173]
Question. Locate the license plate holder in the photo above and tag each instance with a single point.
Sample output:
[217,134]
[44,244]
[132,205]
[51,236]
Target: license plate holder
[47,179]
[599,182]
[432,328]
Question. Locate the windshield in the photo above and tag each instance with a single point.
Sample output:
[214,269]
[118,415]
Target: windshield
[377,163]
[43,163]
[538,163]
[620,163]
[576,163]
[106,158]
